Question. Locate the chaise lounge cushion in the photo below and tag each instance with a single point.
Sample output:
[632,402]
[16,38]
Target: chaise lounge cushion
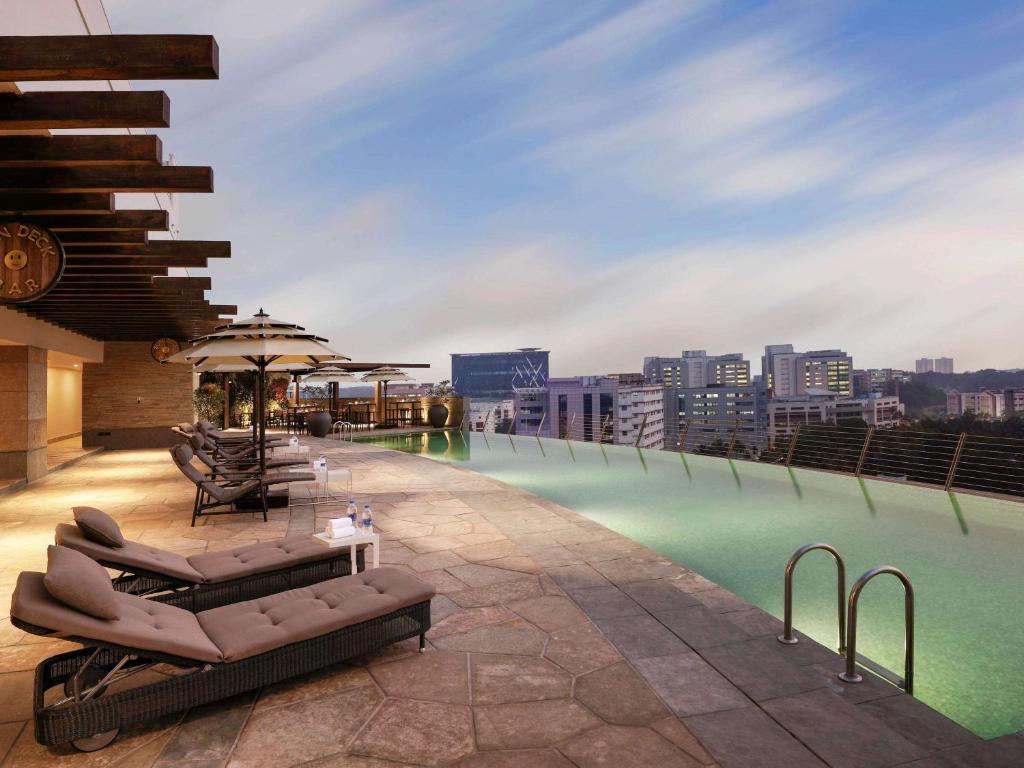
[258,558]
[131,555]
[144,624]
[79,582]
[98,526]
[246,629]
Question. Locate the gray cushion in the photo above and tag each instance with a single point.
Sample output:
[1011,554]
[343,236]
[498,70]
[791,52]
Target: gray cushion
[131,556]
[245,629]
[145,624]
[263,556]
[98,526]
[80,583]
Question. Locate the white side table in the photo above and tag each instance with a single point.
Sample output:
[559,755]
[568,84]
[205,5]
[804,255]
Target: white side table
[353,541]
[330,486]
[291,452]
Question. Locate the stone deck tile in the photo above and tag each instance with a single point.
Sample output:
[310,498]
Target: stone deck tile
[523,552]
[760,672]
[613,745]
[844,735]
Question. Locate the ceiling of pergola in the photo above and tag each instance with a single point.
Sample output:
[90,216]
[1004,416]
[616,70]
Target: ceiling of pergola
[115,285]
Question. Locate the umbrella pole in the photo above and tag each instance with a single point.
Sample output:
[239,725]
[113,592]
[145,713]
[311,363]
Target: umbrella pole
[262,376]
[252,416]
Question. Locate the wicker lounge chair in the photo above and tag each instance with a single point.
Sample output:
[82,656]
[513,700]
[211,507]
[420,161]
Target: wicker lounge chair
[207,453]
[217,653]
[206,580]
[230,490]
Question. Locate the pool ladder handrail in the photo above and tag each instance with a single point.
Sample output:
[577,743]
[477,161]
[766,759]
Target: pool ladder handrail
[787,637]
[848,621]
[340,428]
[850,675]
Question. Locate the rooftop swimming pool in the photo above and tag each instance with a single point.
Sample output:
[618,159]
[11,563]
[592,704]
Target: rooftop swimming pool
[737,523]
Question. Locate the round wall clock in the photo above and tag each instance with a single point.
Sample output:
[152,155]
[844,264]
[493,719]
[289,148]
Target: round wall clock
[161,349]
[31,261]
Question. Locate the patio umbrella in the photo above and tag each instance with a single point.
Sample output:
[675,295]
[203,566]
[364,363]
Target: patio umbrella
[259,341]
[384,375]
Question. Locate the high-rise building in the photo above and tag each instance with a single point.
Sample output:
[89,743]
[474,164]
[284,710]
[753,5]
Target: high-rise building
[496,375]
[594,409]
[710,415]
[936,364]
[787,373]
[819,407]
[696,368]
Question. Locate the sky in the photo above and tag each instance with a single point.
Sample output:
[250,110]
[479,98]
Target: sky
[610,180]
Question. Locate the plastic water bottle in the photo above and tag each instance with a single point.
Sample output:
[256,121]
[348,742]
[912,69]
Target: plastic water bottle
[367,519]
[321,463]
[352,511]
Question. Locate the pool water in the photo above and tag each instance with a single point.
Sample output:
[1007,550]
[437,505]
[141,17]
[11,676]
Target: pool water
[737,523]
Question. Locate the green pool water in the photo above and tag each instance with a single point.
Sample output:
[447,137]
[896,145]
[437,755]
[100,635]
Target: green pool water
[737,523]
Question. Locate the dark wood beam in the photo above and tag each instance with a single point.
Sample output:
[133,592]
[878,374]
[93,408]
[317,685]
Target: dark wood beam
[84,109]
[21,203]
[85,237]
[107,178]
[207,249]
[36,151]
[183,283]
[109,57]
[101,271]
[125,262]
[118,221]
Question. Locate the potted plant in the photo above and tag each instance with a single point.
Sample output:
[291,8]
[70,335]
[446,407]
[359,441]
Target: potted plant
[437,414]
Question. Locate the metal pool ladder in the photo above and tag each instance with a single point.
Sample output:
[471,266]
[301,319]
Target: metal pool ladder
[848,620]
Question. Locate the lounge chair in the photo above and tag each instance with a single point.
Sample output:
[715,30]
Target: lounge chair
[207,452]
[227,437]
[231,490]
[206,580]
[217,653]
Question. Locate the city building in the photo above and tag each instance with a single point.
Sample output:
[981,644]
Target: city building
[496,375]
[934,364]
[788,373]
[594,409]
[708,416]
[989,405]
[820,406]
[696,368]
[1013,401]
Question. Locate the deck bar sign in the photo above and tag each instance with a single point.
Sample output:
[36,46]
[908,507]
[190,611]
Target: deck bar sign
[31,261]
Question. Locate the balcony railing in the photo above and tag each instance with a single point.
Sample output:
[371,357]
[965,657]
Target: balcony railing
[951,461]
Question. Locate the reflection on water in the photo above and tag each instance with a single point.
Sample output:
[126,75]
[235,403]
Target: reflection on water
[737,523]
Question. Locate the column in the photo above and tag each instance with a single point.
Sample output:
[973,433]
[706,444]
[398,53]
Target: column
[22,412]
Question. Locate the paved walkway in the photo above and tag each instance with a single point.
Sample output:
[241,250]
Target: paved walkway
[556,642]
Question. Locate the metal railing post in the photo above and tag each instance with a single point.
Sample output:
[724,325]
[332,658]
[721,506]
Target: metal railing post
[850,675]
[541,425]
[732,442]
[512,423]
[792,444]
[951,476]
[787,637]
[640,434]
[682,436]
[568,430]
[864,451]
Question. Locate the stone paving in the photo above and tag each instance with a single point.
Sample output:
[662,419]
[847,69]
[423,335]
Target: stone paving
[556,642]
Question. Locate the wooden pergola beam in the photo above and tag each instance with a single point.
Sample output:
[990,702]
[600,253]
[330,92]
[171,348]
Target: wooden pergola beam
[207,249]
[40,151]
[47,203]
[107,178]
[85,237]
[109,57]
[126,262]
[75,271]
[119,221]
[84,109]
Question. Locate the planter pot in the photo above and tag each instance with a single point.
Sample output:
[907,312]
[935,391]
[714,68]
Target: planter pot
[319,423]
[437,415]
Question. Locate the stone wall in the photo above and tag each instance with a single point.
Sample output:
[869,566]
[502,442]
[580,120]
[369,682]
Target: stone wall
[22,412]
[131,401]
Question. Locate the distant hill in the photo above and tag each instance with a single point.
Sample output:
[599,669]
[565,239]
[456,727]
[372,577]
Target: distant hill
[973,381]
